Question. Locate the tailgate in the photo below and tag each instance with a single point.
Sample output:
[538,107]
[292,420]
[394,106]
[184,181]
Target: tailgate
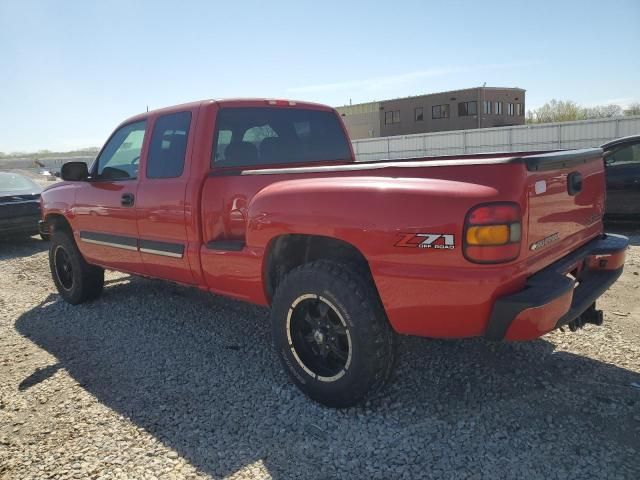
[566,194]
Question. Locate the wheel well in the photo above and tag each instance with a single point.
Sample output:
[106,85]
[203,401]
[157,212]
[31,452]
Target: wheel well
[57,222]
[287,252]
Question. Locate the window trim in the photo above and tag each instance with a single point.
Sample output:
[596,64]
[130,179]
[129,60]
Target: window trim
[93,170]
[415,114]
[187,134]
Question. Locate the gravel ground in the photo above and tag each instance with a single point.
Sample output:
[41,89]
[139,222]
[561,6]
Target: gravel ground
[158,381]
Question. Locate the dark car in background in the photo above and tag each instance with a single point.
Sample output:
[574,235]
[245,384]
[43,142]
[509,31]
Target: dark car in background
[622,167]
[19,206]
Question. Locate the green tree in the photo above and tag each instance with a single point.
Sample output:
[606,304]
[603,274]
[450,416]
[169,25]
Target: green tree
[556,111]
[567,111]
[603,111]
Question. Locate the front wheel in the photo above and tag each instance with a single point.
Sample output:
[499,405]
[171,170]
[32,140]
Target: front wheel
[76,280]
[331,333]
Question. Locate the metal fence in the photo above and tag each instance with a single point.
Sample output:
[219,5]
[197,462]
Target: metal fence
[33,161]
[548,136]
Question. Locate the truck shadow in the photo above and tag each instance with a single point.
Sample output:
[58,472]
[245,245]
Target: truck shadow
[198,373]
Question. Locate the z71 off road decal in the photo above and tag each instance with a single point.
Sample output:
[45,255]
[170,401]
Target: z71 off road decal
[440,241]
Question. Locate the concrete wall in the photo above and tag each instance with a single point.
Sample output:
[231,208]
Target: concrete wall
[547,136]
[49,163]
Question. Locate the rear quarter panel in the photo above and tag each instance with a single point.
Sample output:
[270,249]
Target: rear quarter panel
[373,212]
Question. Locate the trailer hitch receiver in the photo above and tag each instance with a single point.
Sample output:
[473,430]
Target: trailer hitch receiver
[590,315]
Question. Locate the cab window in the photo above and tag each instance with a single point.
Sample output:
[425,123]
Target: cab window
[271,135]
[120,157]
[168,145]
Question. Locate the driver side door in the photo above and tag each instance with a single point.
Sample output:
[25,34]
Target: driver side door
[105,206]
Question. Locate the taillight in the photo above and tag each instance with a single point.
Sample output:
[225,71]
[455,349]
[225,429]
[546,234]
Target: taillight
[492,233]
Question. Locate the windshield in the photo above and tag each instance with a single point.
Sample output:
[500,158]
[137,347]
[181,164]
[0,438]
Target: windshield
[15,183]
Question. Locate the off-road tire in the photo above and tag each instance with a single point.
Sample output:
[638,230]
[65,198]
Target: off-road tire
[372,341]
[86,281]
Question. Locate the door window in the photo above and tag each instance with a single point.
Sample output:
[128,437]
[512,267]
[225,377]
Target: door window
[120,157]
[627,155]
[168,145]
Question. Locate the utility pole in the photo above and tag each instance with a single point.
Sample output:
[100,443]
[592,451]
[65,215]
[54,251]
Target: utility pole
[482,96]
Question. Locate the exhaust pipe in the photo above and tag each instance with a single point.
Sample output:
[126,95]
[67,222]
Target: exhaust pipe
[590,315]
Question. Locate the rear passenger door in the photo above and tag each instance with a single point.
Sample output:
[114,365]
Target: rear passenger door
[161,205]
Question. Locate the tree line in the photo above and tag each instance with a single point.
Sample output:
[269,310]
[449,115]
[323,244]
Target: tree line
[49,154]
[567,111]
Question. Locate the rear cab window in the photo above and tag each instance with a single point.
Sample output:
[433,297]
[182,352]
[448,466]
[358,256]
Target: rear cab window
[251,136]
[168,145]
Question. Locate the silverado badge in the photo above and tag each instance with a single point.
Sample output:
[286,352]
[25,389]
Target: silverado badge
[545,241]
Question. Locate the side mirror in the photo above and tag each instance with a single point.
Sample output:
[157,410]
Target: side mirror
[74,171]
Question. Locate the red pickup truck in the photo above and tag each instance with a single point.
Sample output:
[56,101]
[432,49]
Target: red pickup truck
[262,200]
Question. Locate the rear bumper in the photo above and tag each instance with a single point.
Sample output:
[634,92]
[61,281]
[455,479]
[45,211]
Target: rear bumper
[551,298]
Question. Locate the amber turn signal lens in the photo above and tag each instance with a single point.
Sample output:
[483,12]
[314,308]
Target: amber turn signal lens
[488,235]
[492,233]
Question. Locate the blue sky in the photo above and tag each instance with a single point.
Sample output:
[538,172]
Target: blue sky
[71,70]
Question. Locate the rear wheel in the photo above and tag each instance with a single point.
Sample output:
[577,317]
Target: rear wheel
[76,280]
[331,333]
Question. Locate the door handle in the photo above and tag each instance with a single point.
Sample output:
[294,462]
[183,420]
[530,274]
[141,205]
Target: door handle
[574,183]
[127,200]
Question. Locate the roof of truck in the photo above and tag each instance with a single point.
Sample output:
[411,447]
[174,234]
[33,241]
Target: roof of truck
[229,102]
